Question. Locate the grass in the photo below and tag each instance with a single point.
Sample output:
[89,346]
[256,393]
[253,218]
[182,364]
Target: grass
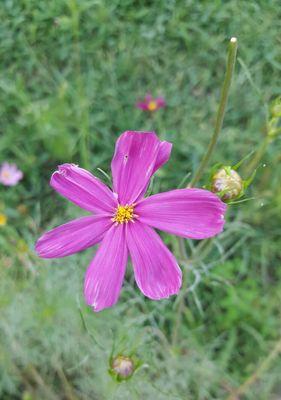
[70,75]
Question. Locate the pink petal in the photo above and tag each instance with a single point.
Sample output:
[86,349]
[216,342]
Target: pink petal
[163,156]
[191,213]
[142,106]
[156,270]
[105,274]
[72,237]
[135,160]
[83,189]
[161,102]
[148,98]
[10,175]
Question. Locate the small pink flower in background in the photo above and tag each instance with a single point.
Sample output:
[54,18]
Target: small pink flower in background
[151,104]
[10,175]
[122,221]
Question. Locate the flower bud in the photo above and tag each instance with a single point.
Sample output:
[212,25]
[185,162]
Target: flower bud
[122,367]
[276,108]
[22,247]
[27,396]
[22,209]
[274,123]
[228,183]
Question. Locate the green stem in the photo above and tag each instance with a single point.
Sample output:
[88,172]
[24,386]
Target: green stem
[86,327]
[84,127]
[221,110]
[180,310]
[259,155]
[82,108]
[219,121]
[262,368]
[182,249]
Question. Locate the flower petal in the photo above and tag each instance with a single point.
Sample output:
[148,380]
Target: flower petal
[190,213]
[156,270]
[163,156]
[161,102]
[72,237]
[142,106]
[83,189]
[148,98]
[134,162]
[105,275]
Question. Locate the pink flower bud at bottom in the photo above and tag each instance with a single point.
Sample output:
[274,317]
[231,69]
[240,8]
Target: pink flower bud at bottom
[227,182]
[122,367]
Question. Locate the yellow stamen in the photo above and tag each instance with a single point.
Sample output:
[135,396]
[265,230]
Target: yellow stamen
[124,214]
[3,219]
[152,105]
[6,174]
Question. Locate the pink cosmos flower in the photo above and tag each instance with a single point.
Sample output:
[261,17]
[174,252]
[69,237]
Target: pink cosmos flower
[122,221]
[151,104]
[10,175]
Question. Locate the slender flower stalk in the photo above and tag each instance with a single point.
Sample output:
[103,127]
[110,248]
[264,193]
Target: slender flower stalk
[273,130]
[262,368]
[259,155]
[221,110]
[85,139]
[219,121]
[82,108]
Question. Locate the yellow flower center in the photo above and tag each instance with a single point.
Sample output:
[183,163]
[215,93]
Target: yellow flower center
[6,174]
[152,105]
[124,214]
[3,219]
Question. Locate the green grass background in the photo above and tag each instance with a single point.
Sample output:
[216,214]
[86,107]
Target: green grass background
[71,72]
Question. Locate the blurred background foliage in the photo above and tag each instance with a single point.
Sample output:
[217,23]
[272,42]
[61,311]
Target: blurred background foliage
[71,73]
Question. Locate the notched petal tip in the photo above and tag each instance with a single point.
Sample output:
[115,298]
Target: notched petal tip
[164,294]
[98,307]
[82,188]
[63,169]
[39,248]
[72,237]
[138,154]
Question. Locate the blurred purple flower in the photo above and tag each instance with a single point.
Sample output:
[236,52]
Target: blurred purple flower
[10,175]
[122,221]
[151,104]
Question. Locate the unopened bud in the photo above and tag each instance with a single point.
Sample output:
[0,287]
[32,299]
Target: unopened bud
[22,246]
[276,108]
[228,183]
[274,123]
[123,367]
[22,209]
